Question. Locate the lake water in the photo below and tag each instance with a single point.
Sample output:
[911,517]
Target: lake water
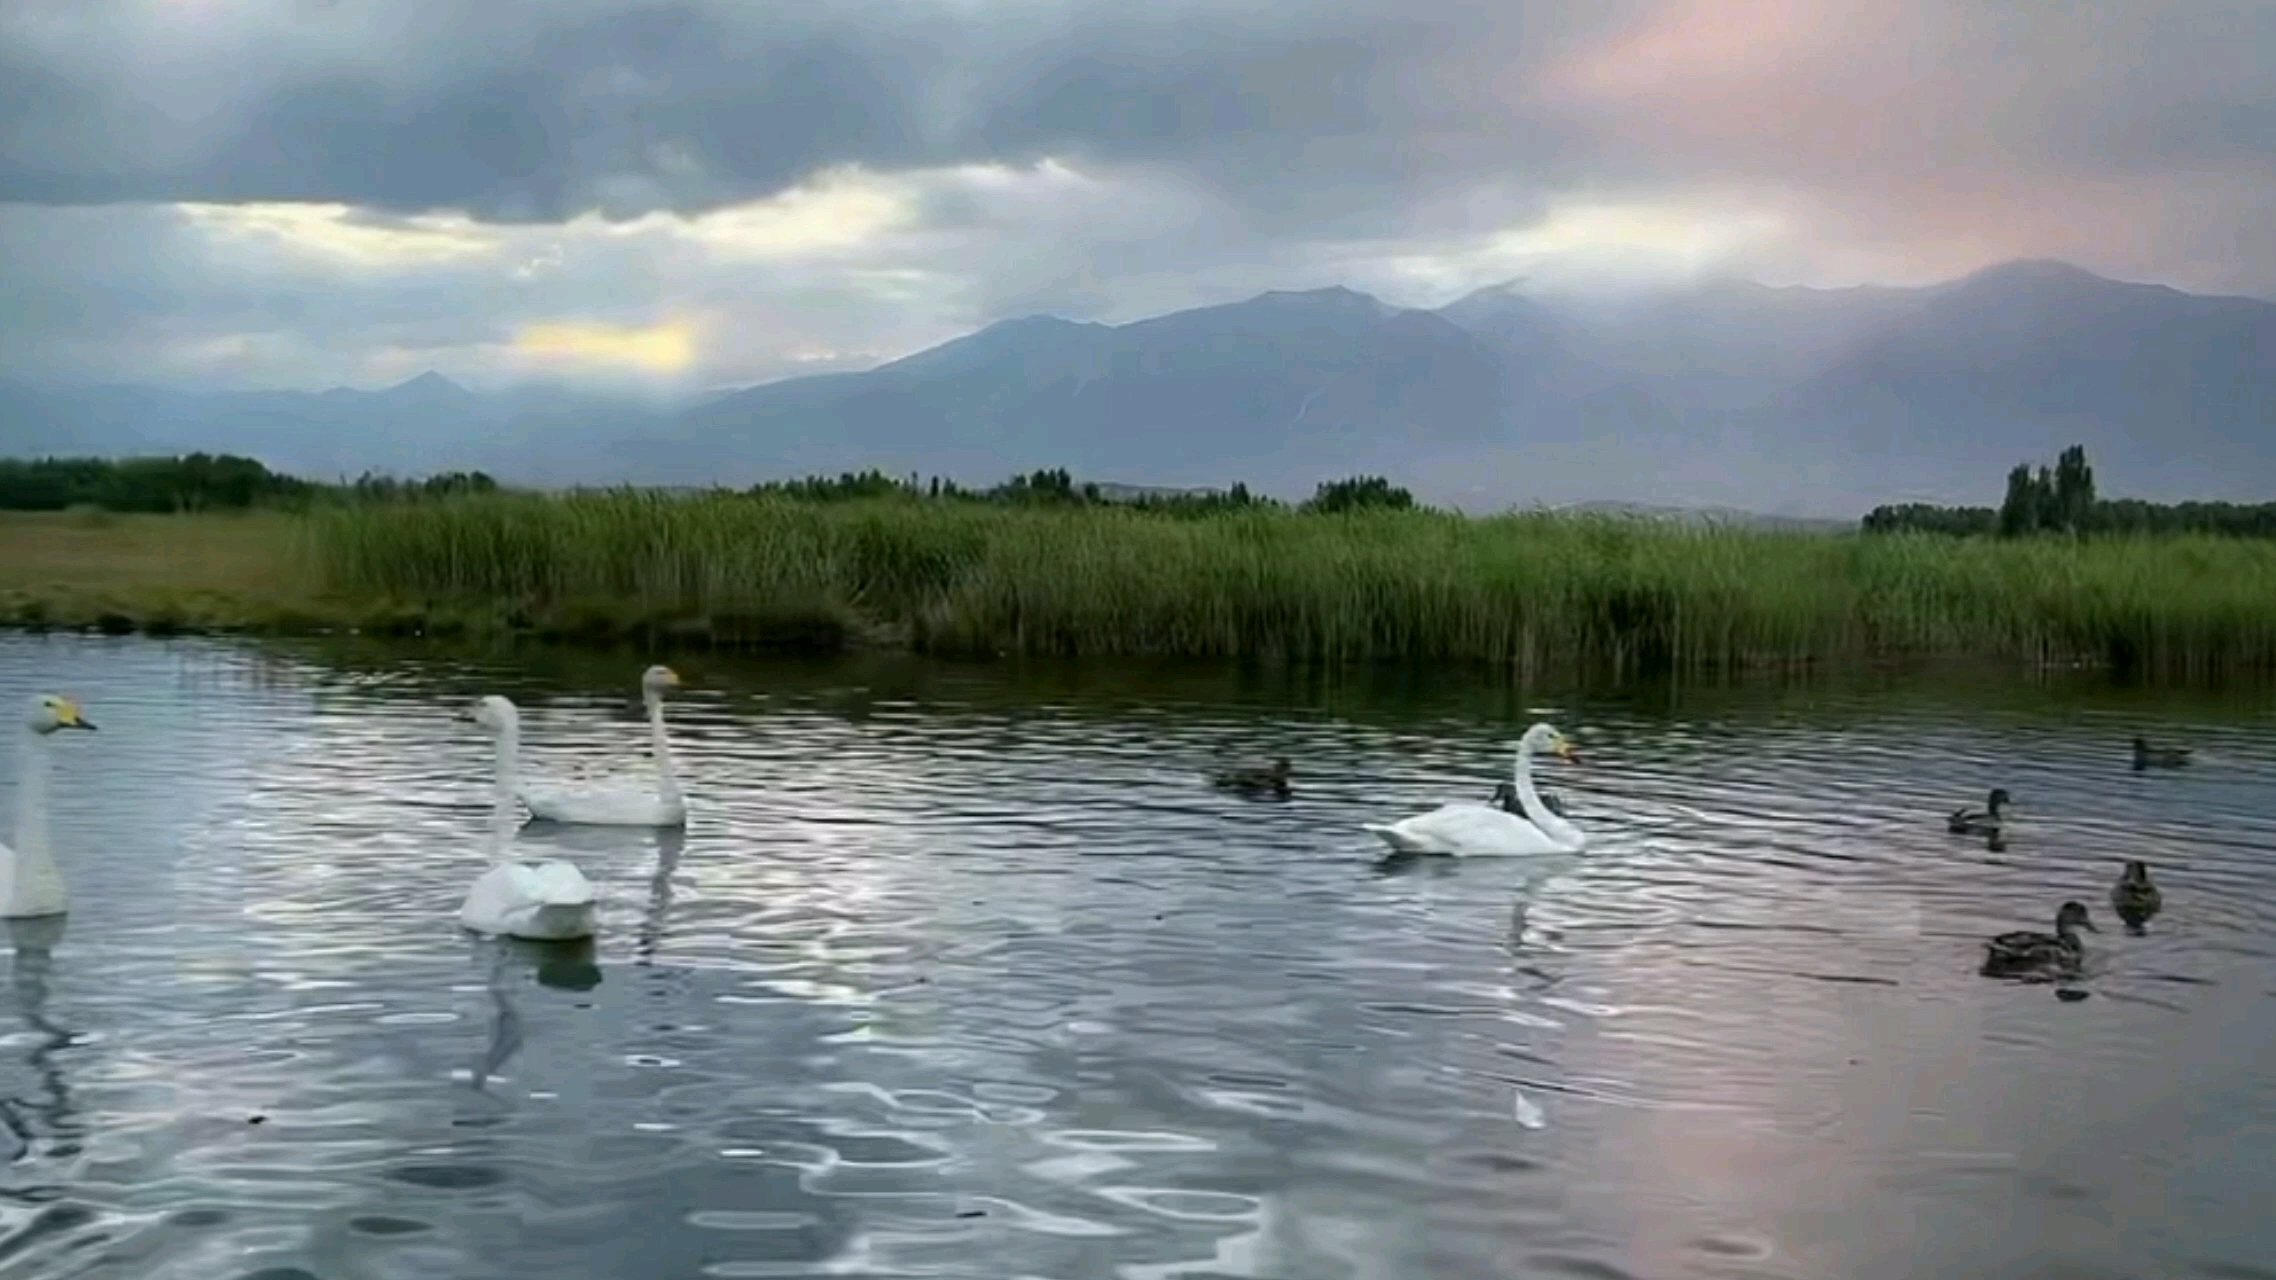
[963,972]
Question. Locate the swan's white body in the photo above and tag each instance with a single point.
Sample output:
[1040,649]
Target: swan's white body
[619,804]
[547,901]
[1483,830]
[30,883]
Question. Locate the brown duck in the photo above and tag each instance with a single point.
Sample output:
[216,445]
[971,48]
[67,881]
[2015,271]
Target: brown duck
[2149,757]
[1987,821]
[2134,898]
[2040,957]
[1269,779]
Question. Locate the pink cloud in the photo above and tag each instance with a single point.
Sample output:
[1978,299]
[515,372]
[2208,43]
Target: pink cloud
[1919,140]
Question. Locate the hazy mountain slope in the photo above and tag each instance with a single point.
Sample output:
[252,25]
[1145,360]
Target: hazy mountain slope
[2172,394]
[1292,381]
[1799,401]
[1850,397]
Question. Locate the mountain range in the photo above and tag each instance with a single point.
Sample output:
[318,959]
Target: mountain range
[1802,402]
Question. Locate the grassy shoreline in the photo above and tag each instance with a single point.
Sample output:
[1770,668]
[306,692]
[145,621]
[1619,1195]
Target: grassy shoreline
[94,570]
[1535,593]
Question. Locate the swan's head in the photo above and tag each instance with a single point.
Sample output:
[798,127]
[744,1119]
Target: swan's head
[497,714]
[1998,799]
[1542,737]
[53,711]
[2072,915]
[658,678]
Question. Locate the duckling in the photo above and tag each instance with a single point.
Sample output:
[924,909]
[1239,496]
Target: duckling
[1254,779]
[1989,821]
[2149,757]
[2037,956]
[1505,799]
[2134,898]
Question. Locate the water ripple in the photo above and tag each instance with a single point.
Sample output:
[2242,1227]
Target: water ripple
[963,972]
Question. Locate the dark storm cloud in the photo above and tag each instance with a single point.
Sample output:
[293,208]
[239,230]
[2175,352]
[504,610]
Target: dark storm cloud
[705,111]
[1321,117]
[1203,149]
[691,106]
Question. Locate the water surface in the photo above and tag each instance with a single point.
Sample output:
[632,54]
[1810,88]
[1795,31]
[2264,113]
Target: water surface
[961,971]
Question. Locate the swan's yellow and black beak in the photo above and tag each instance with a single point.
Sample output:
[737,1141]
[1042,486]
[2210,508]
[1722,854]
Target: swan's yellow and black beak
[67,716]
[1565,751]
[671,677]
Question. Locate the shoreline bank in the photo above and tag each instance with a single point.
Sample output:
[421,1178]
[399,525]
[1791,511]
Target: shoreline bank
[1527,593]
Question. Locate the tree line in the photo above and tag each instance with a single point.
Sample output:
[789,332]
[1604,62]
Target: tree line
[200,482]
[2063,500]
[226,482]
[1058,488]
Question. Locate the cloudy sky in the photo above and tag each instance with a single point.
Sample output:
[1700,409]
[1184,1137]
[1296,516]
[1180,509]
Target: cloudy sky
[699,192]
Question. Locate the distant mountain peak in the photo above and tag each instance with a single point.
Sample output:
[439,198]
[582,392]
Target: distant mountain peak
[1332,291]
[1511,289]
[427,386]
[1036,323]
[1504,313]
[2031,271]
[1511,294]
[1005,339]
[1334,295]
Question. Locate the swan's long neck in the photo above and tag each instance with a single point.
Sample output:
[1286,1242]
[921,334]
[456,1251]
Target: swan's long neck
[31,797]
[30,874]
[661,745]
[505,785]
[1539,814]
[507,776]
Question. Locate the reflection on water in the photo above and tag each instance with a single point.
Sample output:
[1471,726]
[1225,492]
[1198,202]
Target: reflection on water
[47,1115]
[563,966]
[967,971]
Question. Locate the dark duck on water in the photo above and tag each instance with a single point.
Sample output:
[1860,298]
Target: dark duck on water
[2038,956]
[1269,779]
[1989,821]
[2149,757]
[2134,898]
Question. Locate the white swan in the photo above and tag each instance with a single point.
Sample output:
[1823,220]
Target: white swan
[621,804]
[1485,830]
[547,901]
[30,885]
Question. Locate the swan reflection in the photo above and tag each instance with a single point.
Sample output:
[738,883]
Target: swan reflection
[34,941]
[563,966]
[669,842]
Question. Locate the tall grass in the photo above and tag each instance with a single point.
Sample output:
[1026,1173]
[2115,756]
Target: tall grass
[1534,590]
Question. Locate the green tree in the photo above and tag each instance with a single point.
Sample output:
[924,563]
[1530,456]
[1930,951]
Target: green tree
[2073,490]
[1359,493]
[2019,511]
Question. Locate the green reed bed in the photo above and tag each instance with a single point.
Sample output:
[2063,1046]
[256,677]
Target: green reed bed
[1533,590]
